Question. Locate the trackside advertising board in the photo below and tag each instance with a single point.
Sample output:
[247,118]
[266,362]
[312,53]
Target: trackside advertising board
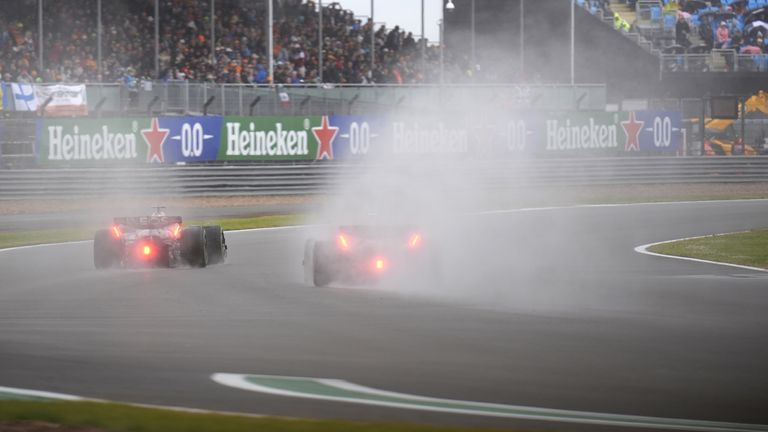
[170,140]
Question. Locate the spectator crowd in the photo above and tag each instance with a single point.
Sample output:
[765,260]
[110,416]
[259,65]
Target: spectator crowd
[70,44]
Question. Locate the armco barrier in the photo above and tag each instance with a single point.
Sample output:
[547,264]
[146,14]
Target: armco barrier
[227,180]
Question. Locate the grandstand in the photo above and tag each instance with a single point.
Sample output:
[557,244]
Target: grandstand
[695,35]
[186,52]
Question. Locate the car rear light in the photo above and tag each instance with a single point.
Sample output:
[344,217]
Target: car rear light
[379,264]
[175,231]
[343,242]
[414,242]
[145,251]
[116,233]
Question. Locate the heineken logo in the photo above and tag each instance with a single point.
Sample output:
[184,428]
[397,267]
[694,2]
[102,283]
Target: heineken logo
[73,145]
[566,136]
[412,138]
[278,142]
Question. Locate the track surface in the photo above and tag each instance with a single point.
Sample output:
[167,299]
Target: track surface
[548,308]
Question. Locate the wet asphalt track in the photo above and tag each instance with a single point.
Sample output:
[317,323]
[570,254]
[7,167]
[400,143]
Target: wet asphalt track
[567,316]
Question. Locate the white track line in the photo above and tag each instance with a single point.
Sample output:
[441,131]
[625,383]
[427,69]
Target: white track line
[412,402]
[643,249]
[15,248]
[40,394]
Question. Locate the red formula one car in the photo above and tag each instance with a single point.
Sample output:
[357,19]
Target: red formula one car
[366,254]
[157,240]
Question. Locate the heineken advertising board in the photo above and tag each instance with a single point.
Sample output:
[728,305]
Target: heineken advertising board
[610,133]
[309,138]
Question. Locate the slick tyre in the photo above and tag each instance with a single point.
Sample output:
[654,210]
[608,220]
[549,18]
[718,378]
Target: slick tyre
[193,246]
[107,250]
[216,246]
[322,274]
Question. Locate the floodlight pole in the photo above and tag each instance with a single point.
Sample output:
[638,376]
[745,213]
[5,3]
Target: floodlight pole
[423,43]
[373,40]
[157,39]
[473,41]
[271,41]
[442,54]
[573,42]
[320,52]
[213,33]
[40,34]
[442,43]
[98,41]
[522,39]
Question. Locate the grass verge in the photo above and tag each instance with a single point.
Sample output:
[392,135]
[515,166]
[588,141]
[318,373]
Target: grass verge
[111,417]
[24,238]
[746,248]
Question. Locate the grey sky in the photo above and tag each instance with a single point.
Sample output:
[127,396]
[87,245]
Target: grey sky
[405,13]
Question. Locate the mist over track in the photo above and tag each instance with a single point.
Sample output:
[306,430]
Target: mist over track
[569,317]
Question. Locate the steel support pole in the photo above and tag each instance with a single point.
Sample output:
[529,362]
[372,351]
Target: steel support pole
[213,32]
[442,53]
[157,39]
[473,40]
[40,35]
[320,42]
[522,39]
[423,47]
[573,42]
[373,40]
[99,31]
[270,41]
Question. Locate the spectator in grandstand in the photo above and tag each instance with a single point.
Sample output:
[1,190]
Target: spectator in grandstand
[185,50]
[722,36]
[682,30]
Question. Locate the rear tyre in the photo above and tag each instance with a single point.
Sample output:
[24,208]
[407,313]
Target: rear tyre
[193,246]
[308,263]
[322,274]
[107,250]
[216,246]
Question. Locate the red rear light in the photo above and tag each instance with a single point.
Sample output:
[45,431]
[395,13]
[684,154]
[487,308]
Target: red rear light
[414,242]
[116,231]
[343,242]
[175,230]
[145,251]
[379,264]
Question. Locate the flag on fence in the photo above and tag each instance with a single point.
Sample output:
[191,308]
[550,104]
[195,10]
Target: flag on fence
[24,97]
[66,100]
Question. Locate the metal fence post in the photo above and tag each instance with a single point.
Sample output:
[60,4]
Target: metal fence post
[186,97]
[223,99]
[240,102]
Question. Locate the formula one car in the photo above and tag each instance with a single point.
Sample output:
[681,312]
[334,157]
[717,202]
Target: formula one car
[157,240]
[366,254]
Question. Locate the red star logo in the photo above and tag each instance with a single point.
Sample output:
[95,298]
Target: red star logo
[325,136]
[155,138]
[632,128]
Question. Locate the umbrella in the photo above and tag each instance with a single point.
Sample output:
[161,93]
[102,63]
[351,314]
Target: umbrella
[757,26]
[718,15]
[757,14]
[694,5]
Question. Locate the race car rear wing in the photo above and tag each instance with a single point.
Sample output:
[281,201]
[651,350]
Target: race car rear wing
[148,222]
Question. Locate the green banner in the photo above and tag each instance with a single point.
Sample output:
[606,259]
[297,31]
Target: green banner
[84,140]
[272,138]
